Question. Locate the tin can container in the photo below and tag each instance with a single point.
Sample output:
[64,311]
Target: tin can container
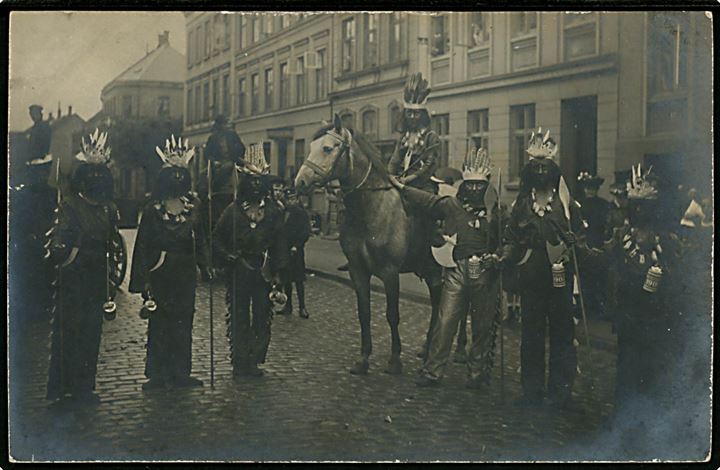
[558,275]
[149,306]
[109,309]
[652,279]
[474,267]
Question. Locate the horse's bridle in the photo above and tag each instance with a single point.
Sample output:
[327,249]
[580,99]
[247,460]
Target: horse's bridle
[346,147]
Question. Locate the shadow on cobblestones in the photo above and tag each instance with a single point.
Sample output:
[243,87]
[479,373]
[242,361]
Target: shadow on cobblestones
[307,407]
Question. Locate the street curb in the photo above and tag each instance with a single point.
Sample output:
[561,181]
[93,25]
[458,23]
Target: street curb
[596,342]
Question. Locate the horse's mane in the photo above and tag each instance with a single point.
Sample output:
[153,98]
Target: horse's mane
[364,144]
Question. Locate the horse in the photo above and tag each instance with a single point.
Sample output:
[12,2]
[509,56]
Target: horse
[377,235]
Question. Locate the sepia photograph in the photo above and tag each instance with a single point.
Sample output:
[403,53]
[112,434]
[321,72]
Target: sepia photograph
[360,236]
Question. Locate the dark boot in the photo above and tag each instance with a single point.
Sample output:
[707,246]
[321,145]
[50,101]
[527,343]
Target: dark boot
[154,384]
[187,381]
[304,313]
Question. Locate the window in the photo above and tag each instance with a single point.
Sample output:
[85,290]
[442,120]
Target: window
[226,95]
[198,45]
[348,119]
[226,29]
[395,33]
[440,123]
[478,126]
[215,103]
[242,27]
[268,26]
[190,107]
[579,35]
[127,106]
[163,106]
[219,33]
[241,97]
[320,74]
[667,71]
[369,124]
[370,45]
[395,117]
[300,81]
[479,33]
[198,109]
[268,89]
[206,101]
[440,42]
[255,93]
[348,44]
[255,26]
[299,153]
[522,124]
[191,49]
[284,21]
[208,38]
[523,23]
[284,86]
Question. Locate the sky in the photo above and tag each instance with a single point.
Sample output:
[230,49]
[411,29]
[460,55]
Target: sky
[68,57]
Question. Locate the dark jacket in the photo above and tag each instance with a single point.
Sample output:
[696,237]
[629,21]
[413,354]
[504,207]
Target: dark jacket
[424,159]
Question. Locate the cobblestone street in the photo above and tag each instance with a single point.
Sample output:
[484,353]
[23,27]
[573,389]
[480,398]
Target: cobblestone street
[308,406]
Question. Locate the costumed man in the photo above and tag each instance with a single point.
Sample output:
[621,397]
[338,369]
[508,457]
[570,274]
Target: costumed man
[537,240]
[297,228]
[250,238]
[80,243]
[414,161]
[594,270]
[169,247]
[649,297]
[472,283]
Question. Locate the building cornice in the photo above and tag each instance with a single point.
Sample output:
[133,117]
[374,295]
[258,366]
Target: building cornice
[280,36]
[367,88]
[140,83]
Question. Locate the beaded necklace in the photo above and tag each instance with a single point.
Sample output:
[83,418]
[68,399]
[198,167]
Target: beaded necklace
[537,208]
[175,213]
[635,253]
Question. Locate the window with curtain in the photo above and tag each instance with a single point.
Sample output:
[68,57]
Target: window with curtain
[242,27]
[395,113]
[215,104]
[189,107]
[579,34]
[269,89]
[320,76]
[284,86]
[255,27]
[440,40]
[369,123]
[523,23]
[300,95]
[206,101]
[241,97]
[226,95]
[163,106]
[348,44]
[370,40]
[255,93]
[208,38]
[226,30]
[284,21]
[479,32]
[268,26]
[478,124]
[440,123]
[191,49]
[198,44]
[522,124]
[198,104]
[394,40]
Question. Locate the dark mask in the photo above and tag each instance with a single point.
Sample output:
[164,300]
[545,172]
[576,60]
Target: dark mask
[173,181]
[95,182]
[473,193]
[540,175]
[252,188]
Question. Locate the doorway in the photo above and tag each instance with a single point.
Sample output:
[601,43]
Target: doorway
[282,145]
[578,130]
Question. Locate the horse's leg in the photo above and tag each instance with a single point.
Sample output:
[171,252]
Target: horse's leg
[391,280]
[361,281]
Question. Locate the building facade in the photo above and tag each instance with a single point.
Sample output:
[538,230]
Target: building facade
[613,88]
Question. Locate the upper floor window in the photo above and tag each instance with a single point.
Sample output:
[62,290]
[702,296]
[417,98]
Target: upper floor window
[478,125]
[284,21]
[226,95]
[255,93]
[241,28]
[208,38]
[189,107]
[523,23]
[395,117]
[369,123]
[440,123]
[127,108]
[198,103]
[226,30]
[163,106]
[395,33]
[268,89]
[479,33]
[215,105]
[524,41]
[242,91]
[268,26]
[348,44]
[284,86]
[199,38]
[300,95]
[579,34]
[191,48]
[206,102]
[522,124]
[320,76]
[370,46]
[440,40]
[255,29]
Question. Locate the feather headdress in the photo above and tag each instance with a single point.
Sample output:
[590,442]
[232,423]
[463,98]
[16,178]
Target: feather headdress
[416,92]
[176,153]
[542,145]
[255,162]
[94,150]
[477,165]
[639,186]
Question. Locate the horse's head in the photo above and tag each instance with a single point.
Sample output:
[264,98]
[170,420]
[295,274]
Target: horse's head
[331,145]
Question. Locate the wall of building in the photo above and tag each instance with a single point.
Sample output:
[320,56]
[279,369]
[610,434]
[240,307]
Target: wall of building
[145,99]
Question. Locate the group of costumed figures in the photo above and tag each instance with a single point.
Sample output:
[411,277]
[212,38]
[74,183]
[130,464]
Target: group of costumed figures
[544,242]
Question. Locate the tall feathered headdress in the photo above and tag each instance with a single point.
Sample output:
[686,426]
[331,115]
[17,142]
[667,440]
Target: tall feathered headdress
[639,186]
[255,162]
[176,153]
[416,92]
[542,145]
[94,150]
[477,165]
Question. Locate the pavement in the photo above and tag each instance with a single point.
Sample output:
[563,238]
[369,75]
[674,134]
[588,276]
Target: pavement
[308,407]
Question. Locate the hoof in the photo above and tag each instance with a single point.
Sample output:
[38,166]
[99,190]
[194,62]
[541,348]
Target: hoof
[360,368]
[394,367]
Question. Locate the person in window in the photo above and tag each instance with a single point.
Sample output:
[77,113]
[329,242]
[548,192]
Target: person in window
[297,229]
[79,241]
[250,239]
[472,285]
[538,239]
[169,247]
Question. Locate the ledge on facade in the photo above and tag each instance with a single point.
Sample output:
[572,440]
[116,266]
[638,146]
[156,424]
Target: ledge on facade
[590,65]
[363,89]
[279,112]
[370,70]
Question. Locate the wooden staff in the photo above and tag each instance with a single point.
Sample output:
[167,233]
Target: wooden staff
[210,248]
[500,297]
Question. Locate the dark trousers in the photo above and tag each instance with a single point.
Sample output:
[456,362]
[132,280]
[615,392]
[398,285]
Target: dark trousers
[300,285]
[249,334]
[547,308]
